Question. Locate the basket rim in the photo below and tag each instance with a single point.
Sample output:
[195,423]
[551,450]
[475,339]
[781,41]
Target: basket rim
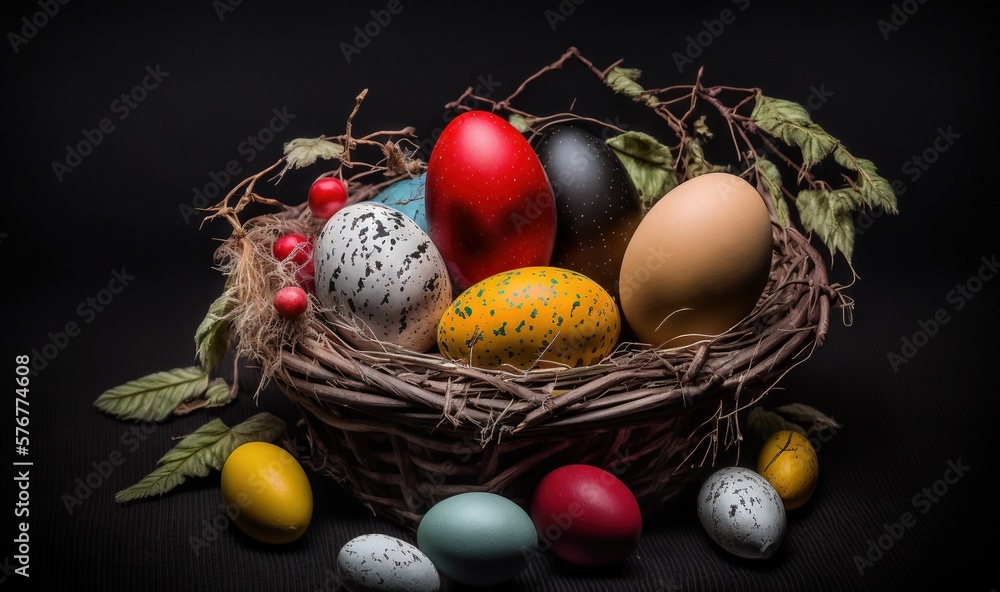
[384,385]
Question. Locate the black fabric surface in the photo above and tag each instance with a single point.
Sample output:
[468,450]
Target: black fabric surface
[894,80]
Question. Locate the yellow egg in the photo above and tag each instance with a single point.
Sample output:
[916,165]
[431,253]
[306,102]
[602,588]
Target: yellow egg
[531,317]
[267,493]
[698,262]
[788,461]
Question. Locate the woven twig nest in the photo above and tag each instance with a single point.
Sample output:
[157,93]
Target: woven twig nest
[402,430]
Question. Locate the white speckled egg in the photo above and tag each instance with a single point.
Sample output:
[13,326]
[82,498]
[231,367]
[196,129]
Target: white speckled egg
[381,563]
[741,511]
[377,267]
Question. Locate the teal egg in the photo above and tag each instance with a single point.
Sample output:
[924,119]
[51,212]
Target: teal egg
[478,539]
[407,196]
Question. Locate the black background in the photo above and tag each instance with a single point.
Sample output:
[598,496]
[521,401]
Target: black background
[889,94]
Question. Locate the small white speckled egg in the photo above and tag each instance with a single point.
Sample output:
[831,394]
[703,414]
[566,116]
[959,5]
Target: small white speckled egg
[741,511]
[378,267]
[381,563]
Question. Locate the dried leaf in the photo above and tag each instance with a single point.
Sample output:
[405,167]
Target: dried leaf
[771,177]
[649,164]
[623,80]
[302,152]
[218,394]
[790,122]
[875,189]
[828,214]
[695,163]
[764,423]
[201,452]
[818,421]
[155,396]
[212,336]
[700,129]
[520,122]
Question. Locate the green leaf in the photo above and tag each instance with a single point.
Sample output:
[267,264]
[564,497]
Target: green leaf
[700,129]
[201,452]
[828,214]
[875,189]
[845,159]
[649,164]
[212,336]
[695,163]
[623,81]
[155,396]
[520,122]
[790,122]
[771,177]
[217,395]
[302,152]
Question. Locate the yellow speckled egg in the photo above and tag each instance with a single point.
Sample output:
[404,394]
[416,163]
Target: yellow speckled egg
[531,317]
[788,461]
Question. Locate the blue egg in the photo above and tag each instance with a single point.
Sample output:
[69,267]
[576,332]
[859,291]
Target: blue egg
[477,538]
[407,196]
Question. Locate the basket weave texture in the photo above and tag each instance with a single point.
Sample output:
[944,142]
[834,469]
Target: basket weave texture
[402,430]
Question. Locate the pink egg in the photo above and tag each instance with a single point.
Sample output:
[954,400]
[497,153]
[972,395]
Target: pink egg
[586,515]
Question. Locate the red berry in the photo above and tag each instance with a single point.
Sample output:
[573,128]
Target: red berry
[297,250]
[293,245]
[326,196]
[291,301]
[306,276]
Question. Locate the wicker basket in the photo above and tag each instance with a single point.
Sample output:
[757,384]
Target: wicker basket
[401,430]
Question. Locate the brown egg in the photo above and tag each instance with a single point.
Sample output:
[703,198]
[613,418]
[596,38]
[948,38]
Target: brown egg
[698,262]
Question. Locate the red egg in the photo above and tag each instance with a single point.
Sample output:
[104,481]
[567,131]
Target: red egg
[586,515]
[490,206]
